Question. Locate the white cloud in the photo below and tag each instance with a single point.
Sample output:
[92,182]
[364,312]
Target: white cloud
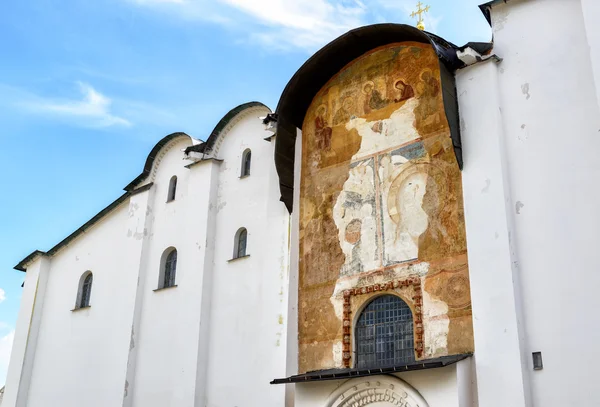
[283,24]
[6,343]
[92,110]
[310,24]
[2,295]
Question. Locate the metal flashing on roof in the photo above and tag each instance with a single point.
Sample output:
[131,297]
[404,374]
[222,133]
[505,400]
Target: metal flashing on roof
[331,59]
[22,266]
[486,7]
[340,374]
[28,259]
[131,189]
[151,157]
[482,48]
[207,146]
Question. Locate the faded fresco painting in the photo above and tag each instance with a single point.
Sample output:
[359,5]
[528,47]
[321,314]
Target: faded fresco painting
[381,207]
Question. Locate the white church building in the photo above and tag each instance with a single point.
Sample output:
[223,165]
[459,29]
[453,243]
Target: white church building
[416,227]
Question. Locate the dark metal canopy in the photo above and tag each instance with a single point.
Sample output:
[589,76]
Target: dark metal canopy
[338,374]
[328,61]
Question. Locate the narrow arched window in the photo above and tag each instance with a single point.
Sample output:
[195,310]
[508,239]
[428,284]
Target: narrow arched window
[172,189]
[85,290]
[241,240]
[169,269]
[384,333]
[246,159]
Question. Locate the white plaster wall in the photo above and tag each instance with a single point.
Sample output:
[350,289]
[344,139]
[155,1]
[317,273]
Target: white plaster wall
[250,295]
[84,353]
[19,369]
[488,213]
[591,15]
[138,347]
[167,343]
[548,115]
[437,386]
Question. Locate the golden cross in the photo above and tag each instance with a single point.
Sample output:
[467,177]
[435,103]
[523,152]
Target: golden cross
[419,15]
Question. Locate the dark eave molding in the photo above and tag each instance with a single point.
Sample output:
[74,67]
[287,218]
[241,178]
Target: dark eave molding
[151,157]
[331,59]
[22,266]
[131,189]
[487,7]
[342,374]
[207,146]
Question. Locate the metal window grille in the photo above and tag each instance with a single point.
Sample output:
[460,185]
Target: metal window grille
[384,333]
[170,267]
[86,291]
[172,189]
[246,164]
[241,243]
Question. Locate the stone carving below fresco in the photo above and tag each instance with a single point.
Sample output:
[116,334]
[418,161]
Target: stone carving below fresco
[381,199]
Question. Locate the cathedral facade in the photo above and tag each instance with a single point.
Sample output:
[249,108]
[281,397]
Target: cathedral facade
[416,227]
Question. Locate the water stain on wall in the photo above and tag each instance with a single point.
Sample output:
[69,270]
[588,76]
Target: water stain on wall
[381,200]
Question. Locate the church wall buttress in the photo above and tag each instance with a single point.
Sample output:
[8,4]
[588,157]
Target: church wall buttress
[381,208]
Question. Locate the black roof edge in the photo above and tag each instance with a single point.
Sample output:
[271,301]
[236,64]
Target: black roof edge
[151,157]
[27,259]
[482,48]
[485,9]
[326,63]
[130,188]
[22,264]
[214,135]
[340,374]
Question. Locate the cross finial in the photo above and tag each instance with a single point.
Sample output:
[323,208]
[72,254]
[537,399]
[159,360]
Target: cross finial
[419,15]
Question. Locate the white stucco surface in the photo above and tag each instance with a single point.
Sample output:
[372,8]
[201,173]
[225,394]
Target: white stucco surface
[531,203]
[195,344]
[530,128]
[438,387]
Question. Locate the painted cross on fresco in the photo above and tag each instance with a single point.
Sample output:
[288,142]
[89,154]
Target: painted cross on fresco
[380,197]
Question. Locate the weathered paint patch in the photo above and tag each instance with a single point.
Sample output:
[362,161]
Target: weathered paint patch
[381,201]
[518,206]
[525,90]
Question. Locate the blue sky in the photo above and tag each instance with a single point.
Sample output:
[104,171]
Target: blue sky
[88,87]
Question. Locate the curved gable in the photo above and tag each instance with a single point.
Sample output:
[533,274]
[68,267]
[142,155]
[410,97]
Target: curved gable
[331,59]
[155,155]
[212,144]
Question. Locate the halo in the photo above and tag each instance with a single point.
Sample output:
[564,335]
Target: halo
[365,85]
[409,169]
[321,106]
[404,82]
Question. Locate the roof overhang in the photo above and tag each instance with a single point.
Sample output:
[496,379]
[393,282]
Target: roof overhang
[327,62]
[486,8]
[207,146]
[340,374]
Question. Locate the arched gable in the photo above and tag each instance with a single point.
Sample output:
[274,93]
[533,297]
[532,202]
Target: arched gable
[210,148]
[156,155]
[331,59]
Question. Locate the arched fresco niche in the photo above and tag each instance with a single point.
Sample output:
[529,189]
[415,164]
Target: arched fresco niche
[376,391]
[381,206]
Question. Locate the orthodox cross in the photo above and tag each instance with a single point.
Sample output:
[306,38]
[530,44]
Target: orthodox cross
[419,15]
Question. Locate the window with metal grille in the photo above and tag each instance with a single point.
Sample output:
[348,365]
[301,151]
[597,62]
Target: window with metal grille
[85,290]
[172,189]
[241,239]
[246,159]
[170,269]
[384,333]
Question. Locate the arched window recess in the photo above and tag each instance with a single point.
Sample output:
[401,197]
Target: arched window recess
[384,334]
[84,290]
[172,189]
[246,161]
[168,269]
[240,243]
